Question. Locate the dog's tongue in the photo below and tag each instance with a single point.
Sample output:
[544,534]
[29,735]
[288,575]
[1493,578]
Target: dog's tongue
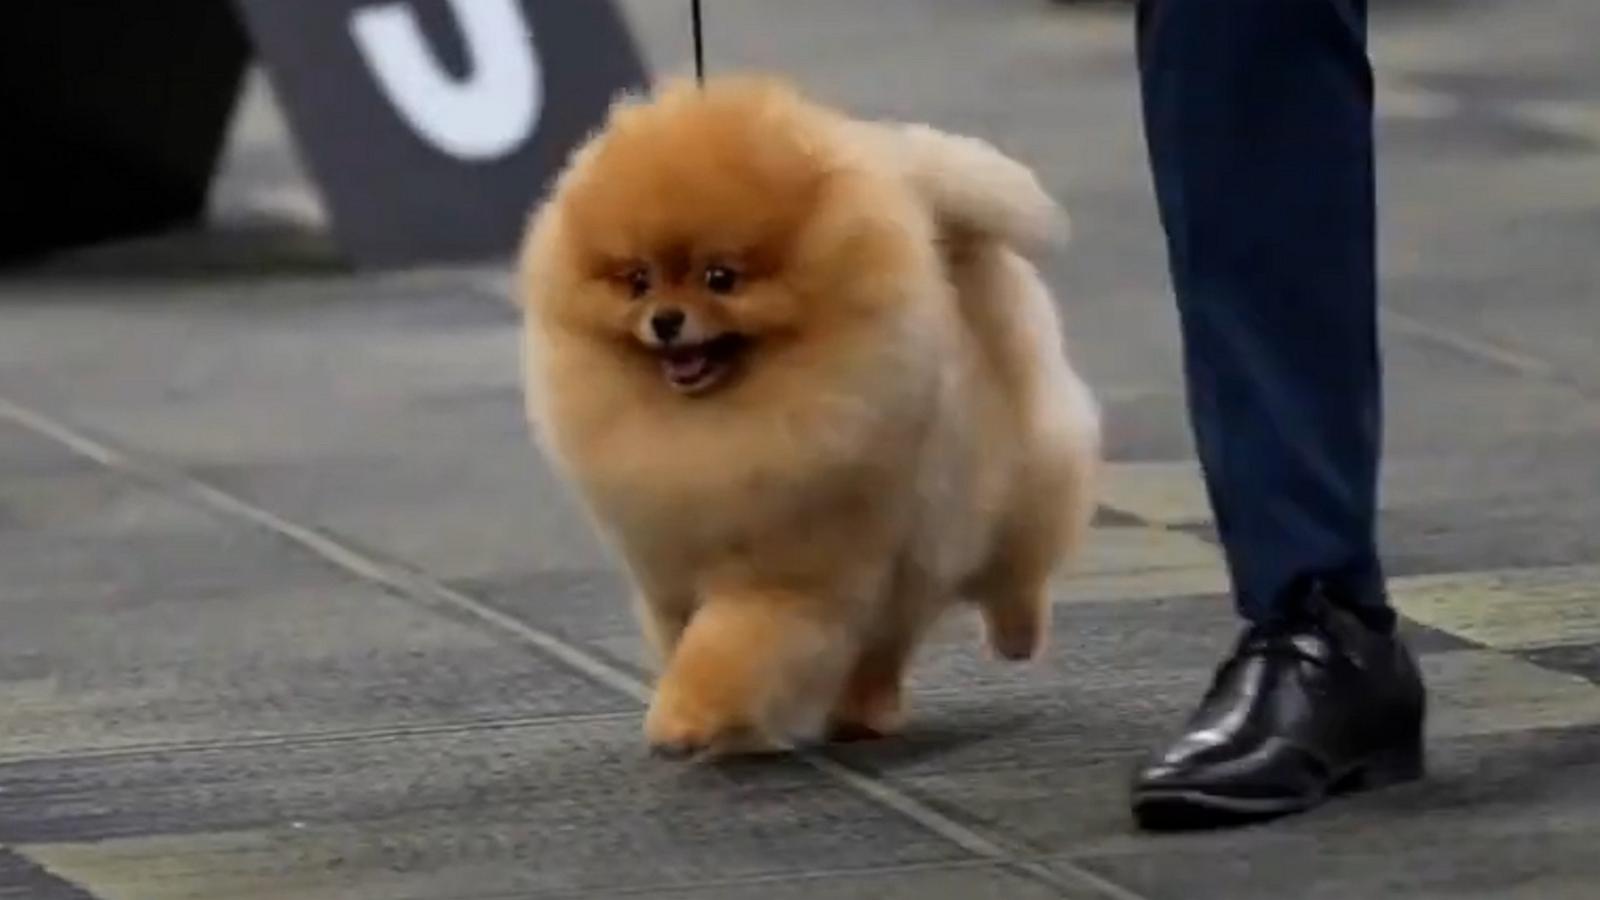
[686,368]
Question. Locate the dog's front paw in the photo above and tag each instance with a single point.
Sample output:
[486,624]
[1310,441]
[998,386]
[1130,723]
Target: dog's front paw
[682,725]
[752,674]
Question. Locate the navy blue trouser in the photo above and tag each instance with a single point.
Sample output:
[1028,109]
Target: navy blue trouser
[1258,115]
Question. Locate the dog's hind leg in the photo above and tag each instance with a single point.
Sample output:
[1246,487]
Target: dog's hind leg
[1013,597]
[1045,526]
[871,705]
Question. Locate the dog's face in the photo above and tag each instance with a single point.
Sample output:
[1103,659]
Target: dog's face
[692,233]
[699,306]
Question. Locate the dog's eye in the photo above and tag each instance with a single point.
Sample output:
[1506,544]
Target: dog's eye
[721,280]
[637,280]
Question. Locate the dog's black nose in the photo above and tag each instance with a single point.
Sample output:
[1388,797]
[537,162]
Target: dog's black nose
[666,324]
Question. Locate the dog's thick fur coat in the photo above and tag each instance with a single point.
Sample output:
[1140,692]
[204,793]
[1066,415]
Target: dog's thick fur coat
[864,416]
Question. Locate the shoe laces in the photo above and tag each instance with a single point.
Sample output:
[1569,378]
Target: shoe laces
[1274,641]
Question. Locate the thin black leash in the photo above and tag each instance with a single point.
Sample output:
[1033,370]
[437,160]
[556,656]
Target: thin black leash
[699,43]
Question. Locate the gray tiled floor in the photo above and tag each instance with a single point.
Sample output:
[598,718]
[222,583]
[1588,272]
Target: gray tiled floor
[290,607]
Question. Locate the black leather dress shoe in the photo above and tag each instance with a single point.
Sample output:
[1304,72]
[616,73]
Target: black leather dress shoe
[1298,713]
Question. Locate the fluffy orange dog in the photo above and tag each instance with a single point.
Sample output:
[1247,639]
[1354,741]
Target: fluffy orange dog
[811,393]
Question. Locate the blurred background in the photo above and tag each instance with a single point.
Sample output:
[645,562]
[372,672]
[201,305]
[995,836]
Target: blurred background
[291,608]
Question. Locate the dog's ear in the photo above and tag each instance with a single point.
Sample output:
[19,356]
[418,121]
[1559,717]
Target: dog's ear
[535,256]
[973,188]
[539,227]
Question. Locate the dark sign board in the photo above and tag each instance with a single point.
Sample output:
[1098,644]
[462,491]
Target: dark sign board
[431,126]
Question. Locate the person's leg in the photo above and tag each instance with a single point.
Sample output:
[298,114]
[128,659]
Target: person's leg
[1258,115]
[1259,120]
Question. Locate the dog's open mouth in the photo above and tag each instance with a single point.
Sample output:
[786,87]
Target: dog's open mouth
[692,368]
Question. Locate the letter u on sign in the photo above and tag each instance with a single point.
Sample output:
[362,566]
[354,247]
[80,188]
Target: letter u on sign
[485,116]
[431,126]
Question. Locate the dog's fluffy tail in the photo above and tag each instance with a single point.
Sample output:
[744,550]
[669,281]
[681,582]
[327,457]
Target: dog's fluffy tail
[977,192]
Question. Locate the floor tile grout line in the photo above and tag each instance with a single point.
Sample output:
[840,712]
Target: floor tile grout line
[307,738]
[753,881]
[970,839]
[423,588]
[1040,861]
[1488,351]
[21,854]
[354,562]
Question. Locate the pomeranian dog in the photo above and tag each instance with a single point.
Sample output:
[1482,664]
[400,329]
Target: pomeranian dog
[811,393]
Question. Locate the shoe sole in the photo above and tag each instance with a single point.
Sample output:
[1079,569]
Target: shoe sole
[1187,809]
